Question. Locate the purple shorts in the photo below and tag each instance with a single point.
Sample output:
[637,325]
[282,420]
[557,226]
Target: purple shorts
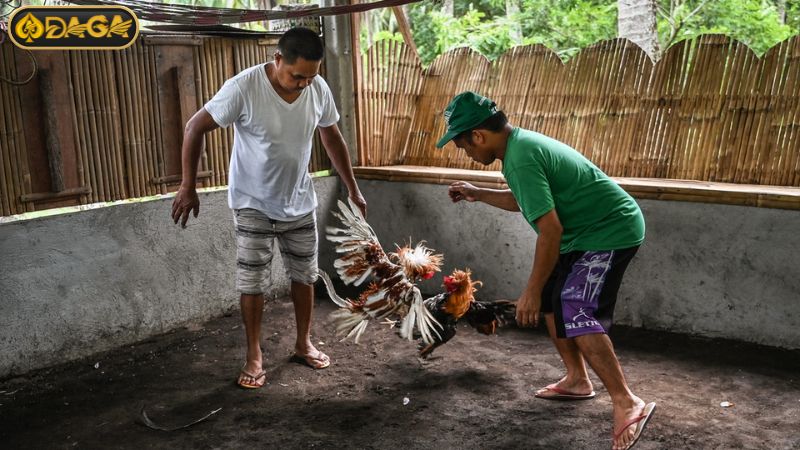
[582,290]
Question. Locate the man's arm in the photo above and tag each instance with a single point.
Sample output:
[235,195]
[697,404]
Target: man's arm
[336,148]
[548,244]
[186,200]
[499,198]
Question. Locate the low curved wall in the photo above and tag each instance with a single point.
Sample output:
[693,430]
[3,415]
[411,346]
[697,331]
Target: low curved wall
[705,269]
[81,283]
[77,284]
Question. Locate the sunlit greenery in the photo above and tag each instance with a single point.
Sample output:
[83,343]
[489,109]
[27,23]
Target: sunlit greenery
[566,26]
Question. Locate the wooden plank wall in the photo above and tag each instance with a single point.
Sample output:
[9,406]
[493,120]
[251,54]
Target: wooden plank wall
[104,126]
[709,110]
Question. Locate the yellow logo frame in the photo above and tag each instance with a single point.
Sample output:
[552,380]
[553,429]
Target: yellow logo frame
[60,27]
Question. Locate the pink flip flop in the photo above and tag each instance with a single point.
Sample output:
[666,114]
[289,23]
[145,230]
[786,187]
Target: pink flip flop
[640,421]
[564,395]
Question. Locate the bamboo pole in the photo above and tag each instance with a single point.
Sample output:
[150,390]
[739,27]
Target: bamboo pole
[99,140]
[127,131]
[83,105]
[113,125]
[144,141]
[7,138]
[791,173]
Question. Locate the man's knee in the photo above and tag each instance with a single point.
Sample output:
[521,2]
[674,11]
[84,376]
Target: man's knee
[307,276]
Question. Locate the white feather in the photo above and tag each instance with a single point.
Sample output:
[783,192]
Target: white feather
[342,303]
[367,273]
[407,327]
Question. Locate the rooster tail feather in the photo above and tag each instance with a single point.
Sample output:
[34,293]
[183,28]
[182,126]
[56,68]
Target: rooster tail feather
[426,323]
[420,318]
[407,327]
[350,323]
[340,302]
[351,319]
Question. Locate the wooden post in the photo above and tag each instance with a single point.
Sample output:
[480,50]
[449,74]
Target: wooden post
[51,131]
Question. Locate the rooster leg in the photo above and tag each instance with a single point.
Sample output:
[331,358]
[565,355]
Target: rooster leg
[426,350]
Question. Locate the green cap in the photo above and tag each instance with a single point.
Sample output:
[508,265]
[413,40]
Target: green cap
[466,111]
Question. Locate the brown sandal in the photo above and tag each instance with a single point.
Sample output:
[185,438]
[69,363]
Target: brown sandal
[256,377]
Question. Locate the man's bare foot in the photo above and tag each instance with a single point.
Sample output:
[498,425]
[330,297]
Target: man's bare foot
[567,390]
[311,357]
[629,421]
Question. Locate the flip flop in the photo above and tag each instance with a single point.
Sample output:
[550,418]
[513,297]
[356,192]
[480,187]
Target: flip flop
[256,377]
[304,360]
[564,395]
[640,421]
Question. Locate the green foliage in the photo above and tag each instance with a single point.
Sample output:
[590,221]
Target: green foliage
[567,26]
[563,25]
[435,32]
[793,15]
[754,22]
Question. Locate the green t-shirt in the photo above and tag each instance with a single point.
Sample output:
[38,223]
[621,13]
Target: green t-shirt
[595,213]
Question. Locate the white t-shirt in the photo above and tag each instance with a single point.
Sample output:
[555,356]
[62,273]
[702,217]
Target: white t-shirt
[272,142]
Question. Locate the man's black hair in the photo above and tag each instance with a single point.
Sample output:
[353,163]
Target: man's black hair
[495,123]
[301,42]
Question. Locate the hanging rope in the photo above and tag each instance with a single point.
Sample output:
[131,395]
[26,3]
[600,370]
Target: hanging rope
[3,32]
[202,15]
[30,77]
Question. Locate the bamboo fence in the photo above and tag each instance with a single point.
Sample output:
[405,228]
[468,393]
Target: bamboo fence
[126,110]
[709,110]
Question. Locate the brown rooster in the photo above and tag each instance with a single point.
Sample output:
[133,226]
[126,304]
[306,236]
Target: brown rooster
[459,302]
[393,292]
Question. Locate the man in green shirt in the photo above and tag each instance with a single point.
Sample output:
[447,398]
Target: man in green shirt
[588,231]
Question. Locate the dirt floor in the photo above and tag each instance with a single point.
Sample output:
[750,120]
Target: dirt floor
[476,392]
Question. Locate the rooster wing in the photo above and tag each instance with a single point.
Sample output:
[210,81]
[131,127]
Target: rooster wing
[391,293]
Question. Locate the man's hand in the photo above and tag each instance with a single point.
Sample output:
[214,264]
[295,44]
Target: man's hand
[461,190]
[185,201]
[359,201]
[528,307]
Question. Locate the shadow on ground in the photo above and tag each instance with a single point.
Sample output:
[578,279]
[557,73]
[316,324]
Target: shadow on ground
[476,392]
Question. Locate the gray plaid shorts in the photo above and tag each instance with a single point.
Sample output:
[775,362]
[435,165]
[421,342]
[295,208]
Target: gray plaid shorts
[255,236]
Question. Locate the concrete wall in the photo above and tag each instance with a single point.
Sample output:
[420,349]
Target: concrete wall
[72,285]
[75,284]
[712,270]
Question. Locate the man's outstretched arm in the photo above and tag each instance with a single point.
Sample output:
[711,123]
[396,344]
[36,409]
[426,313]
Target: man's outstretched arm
[186,200]
[336,148]
[499,198]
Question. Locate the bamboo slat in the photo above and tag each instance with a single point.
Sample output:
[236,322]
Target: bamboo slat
[706,111]
[709,110]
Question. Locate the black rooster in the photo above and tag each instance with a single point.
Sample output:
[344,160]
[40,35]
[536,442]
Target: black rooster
[458,302]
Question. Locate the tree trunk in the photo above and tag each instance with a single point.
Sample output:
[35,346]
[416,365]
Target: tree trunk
[637,22]
[447,7]
[780,5]
[512,9]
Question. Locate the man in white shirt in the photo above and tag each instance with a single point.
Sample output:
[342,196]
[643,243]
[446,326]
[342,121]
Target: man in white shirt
[274,108]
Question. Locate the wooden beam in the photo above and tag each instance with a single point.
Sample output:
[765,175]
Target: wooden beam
[405,29]
[780,197]
[36,197]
